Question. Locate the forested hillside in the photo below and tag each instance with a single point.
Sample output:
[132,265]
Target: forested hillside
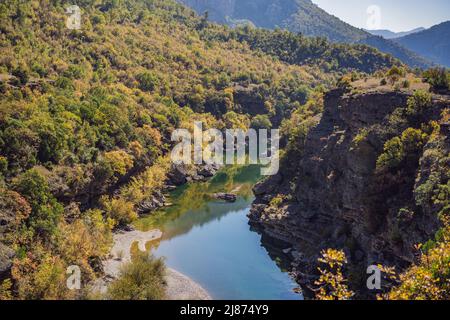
[299,16]
[84,113]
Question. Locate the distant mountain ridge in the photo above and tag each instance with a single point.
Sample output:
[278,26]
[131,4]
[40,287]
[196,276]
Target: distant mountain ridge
[300,16]
[432,43]
[388,34]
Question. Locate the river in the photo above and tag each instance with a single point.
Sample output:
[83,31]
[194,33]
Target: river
[211,242]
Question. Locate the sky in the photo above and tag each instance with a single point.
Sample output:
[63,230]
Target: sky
[395,15]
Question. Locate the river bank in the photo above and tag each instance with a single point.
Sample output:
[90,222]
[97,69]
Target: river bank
[179,286]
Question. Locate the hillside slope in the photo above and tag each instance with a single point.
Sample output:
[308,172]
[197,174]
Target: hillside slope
[299,16]
[86,118]
[433,43]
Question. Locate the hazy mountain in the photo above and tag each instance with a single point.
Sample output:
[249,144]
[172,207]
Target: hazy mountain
[300,16]
[388,34]
[433,43]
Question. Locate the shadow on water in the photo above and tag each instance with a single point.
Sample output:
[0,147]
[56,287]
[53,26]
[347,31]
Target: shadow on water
[211,242]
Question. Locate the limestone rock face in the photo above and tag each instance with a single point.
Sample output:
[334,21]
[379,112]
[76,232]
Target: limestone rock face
[6,256]
[338,200]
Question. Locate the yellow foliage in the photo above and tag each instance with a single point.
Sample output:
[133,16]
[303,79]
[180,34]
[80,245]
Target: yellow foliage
[5,290]
[151,180]
[119,160]
[332,284]
[120,210]
[430,278]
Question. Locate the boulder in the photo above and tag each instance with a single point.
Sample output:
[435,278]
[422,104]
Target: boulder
[178,174]
[228,197]
[6,257]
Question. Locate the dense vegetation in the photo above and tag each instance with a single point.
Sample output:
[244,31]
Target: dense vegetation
[84,113]
[86,117]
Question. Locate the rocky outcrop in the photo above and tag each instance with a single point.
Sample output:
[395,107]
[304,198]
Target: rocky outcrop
[6,257]
[228,197]
[181,173]
[333,197]
[154,202]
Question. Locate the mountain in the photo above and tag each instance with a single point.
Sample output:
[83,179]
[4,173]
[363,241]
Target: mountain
[432,43]
[388,34]
[299,16]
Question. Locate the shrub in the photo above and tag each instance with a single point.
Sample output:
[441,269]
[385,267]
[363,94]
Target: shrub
[406,84]
[120,210]
[147,81]
[276,201]
[392,155]
[261,121]
[141,279]
[427,280]
[3,165]
[120,161]
[419,102]
[438,78]
[332,284]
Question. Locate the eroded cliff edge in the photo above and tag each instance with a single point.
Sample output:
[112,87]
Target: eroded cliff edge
[330,193]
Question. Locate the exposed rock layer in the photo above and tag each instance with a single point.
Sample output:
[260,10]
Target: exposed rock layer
[334,197]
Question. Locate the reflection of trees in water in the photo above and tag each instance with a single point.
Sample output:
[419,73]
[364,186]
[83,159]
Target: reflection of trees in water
[194,206]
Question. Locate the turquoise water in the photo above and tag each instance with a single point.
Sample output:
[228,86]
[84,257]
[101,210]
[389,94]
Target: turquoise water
[211,242]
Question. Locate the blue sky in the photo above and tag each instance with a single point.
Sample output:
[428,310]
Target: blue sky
[396,15]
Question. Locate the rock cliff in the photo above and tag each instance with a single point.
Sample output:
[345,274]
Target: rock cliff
[331,195]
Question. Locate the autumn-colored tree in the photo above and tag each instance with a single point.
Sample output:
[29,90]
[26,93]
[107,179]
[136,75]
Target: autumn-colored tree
[332,284]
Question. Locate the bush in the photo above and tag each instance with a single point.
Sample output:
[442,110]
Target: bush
[438,78]
[147,81]
[419,102]
[392,155]
[141,279]
[261,121]
[120,210]
[119,161]
[3,165]
[397,149]
[406,84]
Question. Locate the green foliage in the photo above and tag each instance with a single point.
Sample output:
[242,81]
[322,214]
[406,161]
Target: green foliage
[438,78]
[261,121]
[119,210]
[400,148]
[392,155]
[419,102]
[46,211]
[148,81]
[141,279]
[3,165]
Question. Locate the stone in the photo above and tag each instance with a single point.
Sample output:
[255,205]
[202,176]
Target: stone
[228,197]
[6,259]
